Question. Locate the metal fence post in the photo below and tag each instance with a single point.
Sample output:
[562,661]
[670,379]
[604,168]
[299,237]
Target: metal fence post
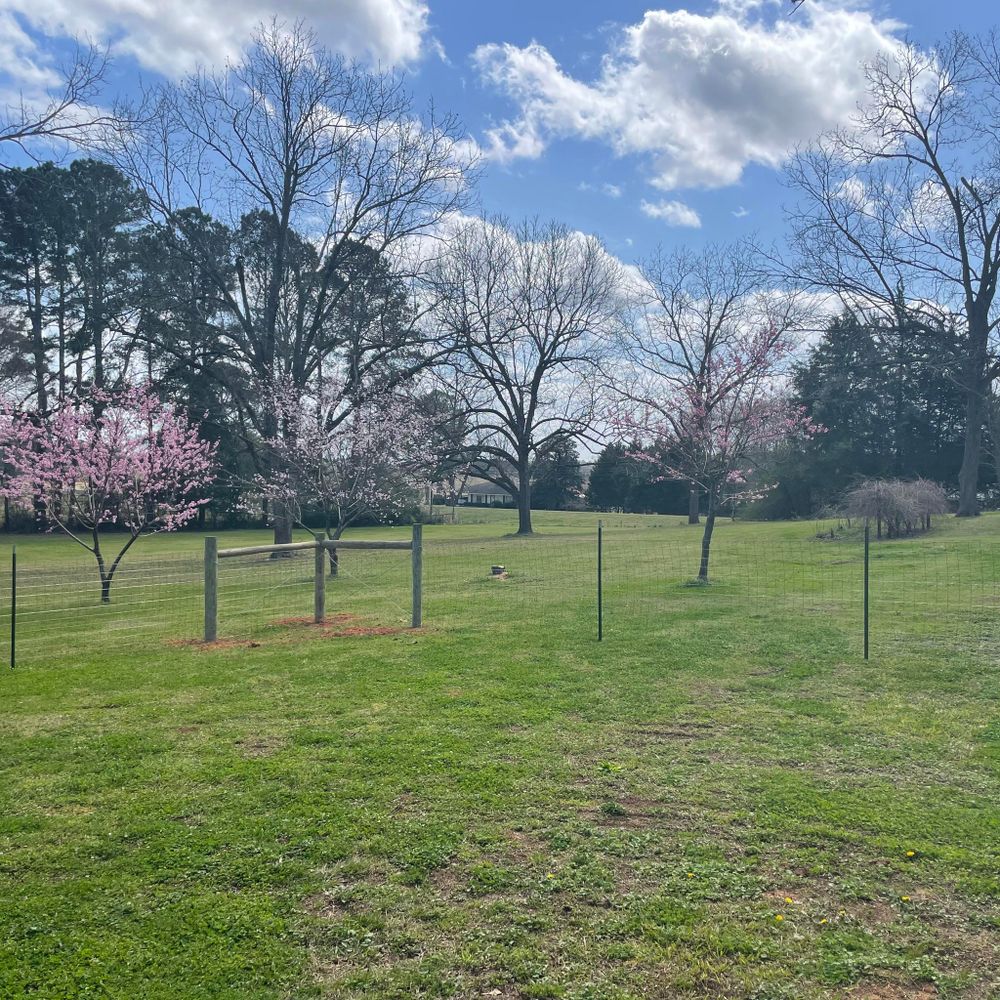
[211,588]
[319,584]
[600,580]
[13,606]
[867,547]
[417,562]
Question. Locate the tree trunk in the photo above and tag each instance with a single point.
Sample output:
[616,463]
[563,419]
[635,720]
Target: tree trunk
[524,497]
[694,498]
[334,555]
[968,474]
[706,542]
[282,527]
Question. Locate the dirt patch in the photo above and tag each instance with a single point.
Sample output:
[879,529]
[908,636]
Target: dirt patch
[362,630]
[308,621]
[448,881]
[326,905]
[890,991]
[628,811]
[218,644]
[343,626]
[524,846]
[873,912]
[676,732]
[680,730]
[408,804]
[339,626]
[259,747]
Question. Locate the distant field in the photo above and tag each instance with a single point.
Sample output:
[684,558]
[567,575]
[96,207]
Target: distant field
[722,799]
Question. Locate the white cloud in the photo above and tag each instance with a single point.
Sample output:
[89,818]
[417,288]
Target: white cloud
[17,49]
[173,37]
[611,190]
[741,213]
[852,192]
[513,141]
[673,213]
[702,96]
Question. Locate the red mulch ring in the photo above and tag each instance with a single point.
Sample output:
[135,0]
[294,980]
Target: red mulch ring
[343,626]
[308,620]
[364,630]
[339,626]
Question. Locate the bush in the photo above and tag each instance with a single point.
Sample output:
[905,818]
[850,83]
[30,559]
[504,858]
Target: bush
[898,505]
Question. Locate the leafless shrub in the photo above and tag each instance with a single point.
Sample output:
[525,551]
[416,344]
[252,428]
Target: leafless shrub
[895,505]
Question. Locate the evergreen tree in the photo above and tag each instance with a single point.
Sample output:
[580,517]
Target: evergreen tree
[556,480]
[891,407]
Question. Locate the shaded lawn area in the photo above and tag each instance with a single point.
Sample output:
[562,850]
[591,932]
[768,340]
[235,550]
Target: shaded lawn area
[724,805]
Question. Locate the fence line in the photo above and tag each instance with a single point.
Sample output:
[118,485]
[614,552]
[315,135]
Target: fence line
[605,584]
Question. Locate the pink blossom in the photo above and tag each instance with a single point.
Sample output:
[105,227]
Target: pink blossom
[125,459]
[342,457]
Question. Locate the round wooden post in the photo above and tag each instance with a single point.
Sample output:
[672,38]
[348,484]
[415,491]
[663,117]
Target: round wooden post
[211,588]
[417,563]
[319,584]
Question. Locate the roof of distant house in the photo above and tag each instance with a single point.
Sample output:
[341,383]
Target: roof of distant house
[486,488]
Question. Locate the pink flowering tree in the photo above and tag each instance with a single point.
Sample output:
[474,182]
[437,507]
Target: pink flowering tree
[125,461]
[341,459]
[707,355]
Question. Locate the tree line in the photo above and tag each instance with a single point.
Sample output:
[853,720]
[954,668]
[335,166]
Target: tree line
[287,249]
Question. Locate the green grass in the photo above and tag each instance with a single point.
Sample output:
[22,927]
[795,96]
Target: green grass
[498,805]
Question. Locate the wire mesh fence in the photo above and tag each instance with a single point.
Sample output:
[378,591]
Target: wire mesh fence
[60,611]
[926,593]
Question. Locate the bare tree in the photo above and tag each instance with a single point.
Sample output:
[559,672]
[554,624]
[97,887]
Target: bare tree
[700,386]
[528,308]
[901,209]
[326,173]
[67,113]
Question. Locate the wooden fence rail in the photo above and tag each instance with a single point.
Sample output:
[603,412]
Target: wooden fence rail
[320,546]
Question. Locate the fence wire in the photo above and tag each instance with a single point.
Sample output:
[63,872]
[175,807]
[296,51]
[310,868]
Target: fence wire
[932,592]
[60,611]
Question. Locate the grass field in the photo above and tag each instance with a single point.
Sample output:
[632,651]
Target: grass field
[722,799]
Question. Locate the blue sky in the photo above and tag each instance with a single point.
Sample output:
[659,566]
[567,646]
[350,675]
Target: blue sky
[657,124]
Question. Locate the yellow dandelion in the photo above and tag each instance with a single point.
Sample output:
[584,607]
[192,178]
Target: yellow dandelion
[690,874]
[778,917]
[823,921]
[911,854]
[905,899]
[788,899]
[550,875]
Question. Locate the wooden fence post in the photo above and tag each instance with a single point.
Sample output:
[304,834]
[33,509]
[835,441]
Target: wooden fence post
[417,563]
[319,584]
[211,588]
